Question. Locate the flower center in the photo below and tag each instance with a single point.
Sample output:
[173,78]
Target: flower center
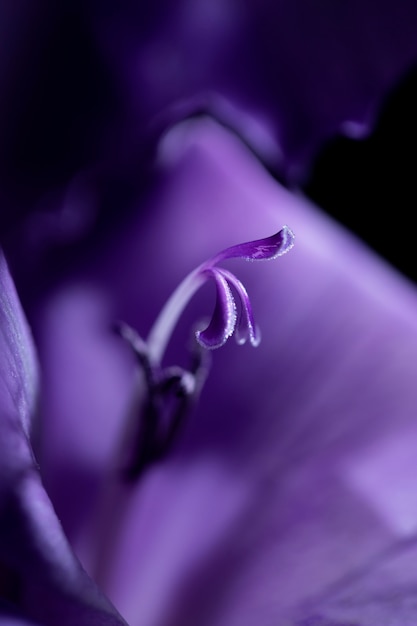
[172,391]
[164,396]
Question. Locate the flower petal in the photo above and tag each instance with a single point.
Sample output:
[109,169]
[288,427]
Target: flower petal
[53,586]
[383,593]
[262,249]
[257,486]
[289,76]
[18,366]
[223,320]
[9,617]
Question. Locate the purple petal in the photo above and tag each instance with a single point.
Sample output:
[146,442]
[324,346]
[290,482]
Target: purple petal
[54,588]
[291,73]
[260,250]
[290,76]
[269,487]
[383,593]
[223,320]
[8,617]
[18,368]
[245,326]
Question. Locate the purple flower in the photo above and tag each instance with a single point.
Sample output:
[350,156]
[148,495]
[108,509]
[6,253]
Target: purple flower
[267,486]
[275,501]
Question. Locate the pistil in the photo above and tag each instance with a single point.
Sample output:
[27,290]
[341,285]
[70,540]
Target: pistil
[164,396]
[172,391]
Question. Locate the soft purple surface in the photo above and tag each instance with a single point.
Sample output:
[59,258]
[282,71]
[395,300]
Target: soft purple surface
[273,495]
[34,553]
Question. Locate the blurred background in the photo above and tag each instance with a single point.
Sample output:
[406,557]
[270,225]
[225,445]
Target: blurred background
[85,85]
[370,184]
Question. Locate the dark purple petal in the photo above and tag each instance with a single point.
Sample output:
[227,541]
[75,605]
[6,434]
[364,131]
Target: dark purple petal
[9,617]
[290,73]
[82,81]
[223,320]
[18,367]
[53,587]
[245,326]
[261,249]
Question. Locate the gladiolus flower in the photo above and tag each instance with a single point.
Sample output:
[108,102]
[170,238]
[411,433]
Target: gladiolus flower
[272,493]
[148,485]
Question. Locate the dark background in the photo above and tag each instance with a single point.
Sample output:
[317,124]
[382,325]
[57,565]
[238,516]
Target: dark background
[370,185]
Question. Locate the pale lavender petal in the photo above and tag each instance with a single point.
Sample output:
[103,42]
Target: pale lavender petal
[223,320]
[383,593]
[262,249]
[245,326]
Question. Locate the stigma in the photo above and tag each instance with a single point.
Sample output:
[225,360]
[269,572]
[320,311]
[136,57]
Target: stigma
[232,314]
